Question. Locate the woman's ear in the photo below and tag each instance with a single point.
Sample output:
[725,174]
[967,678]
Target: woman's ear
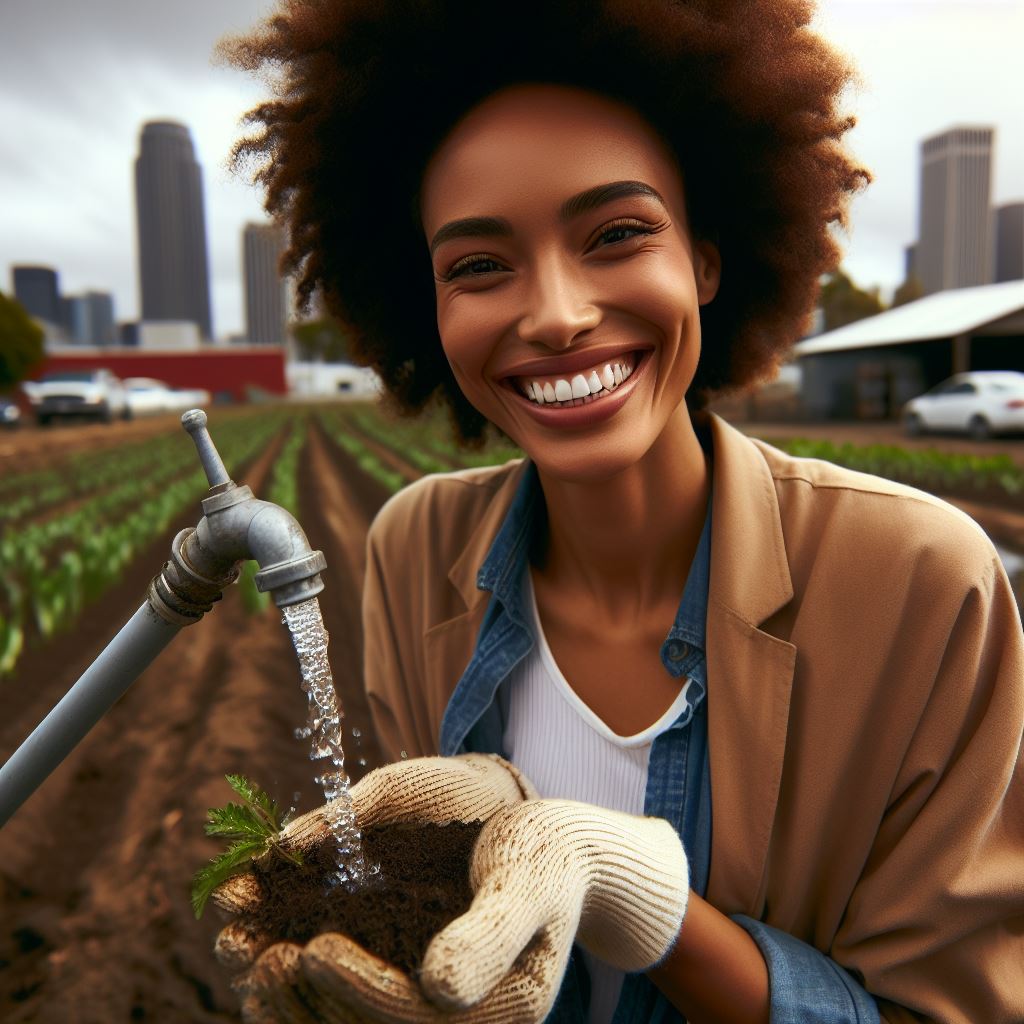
[707,270]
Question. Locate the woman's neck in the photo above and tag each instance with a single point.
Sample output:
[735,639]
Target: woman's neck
[624,545]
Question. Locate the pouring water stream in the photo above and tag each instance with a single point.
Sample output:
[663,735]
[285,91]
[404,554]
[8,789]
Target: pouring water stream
[323,729]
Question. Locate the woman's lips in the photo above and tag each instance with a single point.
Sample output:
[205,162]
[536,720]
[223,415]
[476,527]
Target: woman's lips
[588,384]
[589,409]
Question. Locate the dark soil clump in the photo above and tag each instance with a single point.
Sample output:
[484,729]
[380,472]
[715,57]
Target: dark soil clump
[423,884]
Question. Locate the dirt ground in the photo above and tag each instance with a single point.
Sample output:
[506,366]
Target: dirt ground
[95,868]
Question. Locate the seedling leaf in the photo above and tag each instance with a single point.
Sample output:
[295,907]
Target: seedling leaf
[253,827]
[221,868]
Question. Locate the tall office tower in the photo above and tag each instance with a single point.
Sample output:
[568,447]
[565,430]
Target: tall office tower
[954,248]
[1010,242]
[265,289]
[36,289]
[171,227]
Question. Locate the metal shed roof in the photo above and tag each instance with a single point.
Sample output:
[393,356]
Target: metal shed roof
[942,315]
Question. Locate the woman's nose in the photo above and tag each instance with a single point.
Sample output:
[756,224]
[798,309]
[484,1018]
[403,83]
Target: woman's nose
[558,308]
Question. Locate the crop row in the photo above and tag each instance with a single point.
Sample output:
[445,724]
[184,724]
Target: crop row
[50,571]
[338,428]
[928,469]
[82,475]
[428,444]
[427,441]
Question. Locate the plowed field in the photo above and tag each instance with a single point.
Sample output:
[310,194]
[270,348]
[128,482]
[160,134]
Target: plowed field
[95,867]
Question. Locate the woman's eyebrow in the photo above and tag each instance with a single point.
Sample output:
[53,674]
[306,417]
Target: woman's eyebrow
[589,199]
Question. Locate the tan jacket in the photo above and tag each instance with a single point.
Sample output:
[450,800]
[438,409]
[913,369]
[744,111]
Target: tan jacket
[865,699]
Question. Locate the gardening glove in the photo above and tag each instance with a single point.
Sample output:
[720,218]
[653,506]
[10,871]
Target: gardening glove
[470,787]
[544,873]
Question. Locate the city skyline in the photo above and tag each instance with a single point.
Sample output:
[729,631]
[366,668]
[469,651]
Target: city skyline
[80,83]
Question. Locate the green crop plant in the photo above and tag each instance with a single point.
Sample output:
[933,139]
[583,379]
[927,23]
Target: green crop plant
[252,829]
[53,567]
[929,469]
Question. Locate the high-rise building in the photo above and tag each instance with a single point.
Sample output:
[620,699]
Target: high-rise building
[954,248]
[1010,242]
[89,318]
[38,292]
[265,289]
[173,273]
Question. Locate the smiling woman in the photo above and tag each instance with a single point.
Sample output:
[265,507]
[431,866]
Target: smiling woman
[770,710]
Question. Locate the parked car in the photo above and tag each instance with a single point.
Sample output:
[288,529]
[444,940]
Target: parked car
[10,414]
[94,394]
[148,396]
[980,403]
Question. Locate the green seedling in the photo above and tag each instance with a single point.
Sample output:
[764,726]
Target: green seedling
[253,829]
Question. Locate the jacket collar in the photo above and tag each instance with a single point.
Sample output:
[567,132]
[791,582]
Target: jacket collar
[496,533]
[746,528]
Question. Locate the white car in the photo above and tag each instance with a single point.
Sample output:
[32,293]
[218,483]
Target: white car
[980,403]
[148,396]
[89,393]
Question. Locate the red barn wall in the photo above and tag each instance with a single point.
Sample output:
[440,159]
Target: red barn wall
[223,372]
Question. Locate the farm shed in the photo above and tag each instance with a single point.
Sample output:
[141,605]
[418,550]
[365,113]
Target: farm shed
[868,369]
[234,374]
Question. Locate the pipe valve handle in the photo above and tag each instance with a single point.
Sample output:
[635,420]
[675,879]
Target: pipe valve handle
[194,421]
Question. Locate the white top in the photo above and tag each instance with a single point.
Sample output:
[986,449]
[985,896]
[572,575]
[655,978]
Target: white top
[569,753]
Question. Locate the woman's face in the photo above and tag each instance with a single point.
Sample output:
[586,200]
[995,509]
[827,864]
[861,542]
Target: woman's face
[567,282]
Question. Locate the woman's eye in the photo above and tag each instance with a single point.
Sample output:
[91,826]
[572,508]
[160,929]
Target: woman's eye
[473,266]
[621,232]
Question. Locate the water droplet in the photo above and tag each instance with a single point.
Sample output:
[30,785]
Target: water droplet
[356,734]
[296,796]
[404,755]
[324,730]
[362,762]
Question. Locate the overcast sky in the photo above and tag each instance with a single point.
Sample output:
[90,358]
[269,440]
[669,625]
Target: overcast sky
[79,77]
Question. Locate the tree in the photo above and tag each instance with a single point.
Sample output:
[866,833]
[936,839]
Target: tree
[21,343]
[910,290]
[321,341]
[843,302]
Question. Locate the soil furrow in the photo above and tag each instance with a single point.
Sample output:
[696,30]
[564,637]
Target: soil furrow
[97,862]
[97,865]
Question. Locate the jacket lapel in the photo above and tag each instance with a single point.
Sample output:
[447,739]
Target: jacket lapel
[750,672]
[449,640]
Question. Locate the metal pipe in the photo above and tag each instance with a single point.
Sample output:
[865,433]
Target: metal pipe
[235,526]
[139,641]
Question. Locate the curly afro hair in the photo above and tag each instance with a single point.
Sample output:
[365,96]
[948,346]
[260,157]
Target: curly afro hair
[743,92]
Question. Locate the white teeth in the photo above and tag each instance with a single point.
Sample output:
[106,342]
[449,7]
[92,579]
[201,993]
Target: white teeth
[599,381]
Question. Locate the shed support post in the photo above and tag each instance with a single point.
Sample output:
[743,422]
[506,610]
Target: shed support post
[961,353]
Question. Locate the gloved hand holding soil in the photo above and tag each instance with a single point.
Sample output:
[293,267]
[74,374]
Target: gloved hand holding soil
[486,887]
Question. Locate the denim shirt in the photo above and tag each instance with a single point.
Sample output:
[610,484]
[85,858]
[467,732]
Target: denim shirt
[806,985]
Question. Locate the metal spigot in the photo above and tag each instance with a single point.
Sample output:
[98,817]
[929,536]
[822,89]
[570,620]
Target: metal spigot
[235,526]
